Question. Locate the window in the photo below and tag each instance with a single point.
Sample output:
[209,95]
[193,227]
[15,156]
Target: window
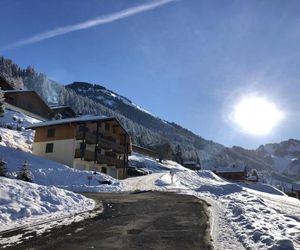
[51,132]
[107,126]
[114,130]
[49,147]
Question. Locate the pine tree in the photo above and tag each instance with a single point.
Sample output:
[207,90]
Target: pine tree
[3,168]
[2,111]
[25,174]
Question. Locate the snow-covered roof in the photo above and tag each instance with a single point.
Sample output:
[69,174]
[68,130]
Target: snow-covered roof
[59,107]
[252,178]
[18,91]
[230,170]
[79,119]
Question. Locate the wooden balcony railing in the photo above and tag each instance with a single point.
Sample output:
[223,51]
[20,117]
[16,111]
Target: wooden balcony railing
[102,142]
[101,159]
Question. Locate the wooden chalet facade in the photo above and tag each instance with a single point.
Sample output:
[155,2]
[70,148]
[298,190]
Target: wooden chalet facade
[232,173]
[94,143]
[29,102]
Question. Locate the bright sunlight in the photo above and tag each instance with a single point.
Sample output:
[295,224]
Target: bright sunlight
[256,115]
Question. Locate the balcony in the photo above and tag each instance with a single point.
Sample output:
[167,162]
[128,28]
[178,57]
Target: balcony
[101,159]
[103,143]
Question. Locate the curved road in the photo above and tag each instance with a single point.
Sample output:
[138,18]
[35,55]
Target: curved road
[144,220]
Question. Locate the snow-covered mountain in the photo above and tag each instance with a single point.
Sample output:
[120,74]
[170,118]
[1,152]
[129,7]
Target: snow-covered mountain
[104,96]
[284,156]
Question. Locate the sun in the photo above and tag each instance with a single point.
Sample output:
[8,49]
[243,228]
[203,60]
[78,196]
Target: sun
[256,115]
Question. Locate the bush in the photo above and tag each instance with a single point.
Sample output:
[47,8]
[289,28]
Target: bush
[9,126]
[25,174]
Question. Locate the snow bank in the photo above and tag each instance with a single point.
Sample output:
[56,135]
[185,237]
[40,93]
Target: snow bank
[23,203]
[48,172]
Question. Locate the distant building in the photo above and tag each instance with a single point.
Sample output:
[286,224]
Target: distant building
[28,102]
[193,165]
[94,143]
[63,111]
[145,151]
[232,173]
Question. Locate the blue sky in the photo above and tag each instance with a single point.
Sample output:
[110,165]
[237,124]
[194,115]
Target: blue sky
[187,61]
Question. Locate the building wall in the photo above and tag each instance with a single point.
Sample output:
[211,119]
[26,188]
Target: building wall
[63,151]
[62,132]
[90,165]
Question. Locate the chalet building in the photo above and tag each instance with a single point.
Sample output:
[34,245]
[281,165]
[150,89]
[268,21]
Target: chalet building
[88,142]
[232,173]
[144,151]
[193,165]
[28,102]
[63,111]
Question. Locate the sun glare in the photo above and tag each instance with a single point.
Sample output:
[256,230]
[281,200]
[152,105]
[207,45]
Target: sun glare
[256,115]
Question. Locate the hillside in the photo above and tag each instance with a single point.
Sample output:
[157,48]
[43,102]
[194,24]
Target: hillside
[147,129]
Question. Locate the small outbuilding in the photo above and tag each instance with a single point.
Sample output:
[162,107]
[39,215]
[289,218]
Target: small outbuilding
[63,111]
[193,165]
[233,173]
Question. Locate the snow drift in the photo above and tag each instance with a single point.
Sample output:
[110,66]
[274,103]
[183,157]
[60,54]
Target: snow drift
[22,203]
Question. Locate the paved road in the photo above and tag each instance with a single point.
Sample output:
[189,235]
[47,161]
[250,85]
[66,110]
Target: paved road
[148,220]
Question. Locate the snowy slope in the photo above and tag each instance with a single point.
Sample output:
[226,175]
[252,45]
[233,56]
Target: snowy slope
[11,137]
[23,203]
[148,164]
[48,172]
[106,96]
[242,216]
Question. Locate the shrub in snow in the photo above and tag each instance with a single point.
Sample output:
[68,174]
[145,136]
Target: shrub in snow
[3,168]
[9,126]
[25,174]
[19,128]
